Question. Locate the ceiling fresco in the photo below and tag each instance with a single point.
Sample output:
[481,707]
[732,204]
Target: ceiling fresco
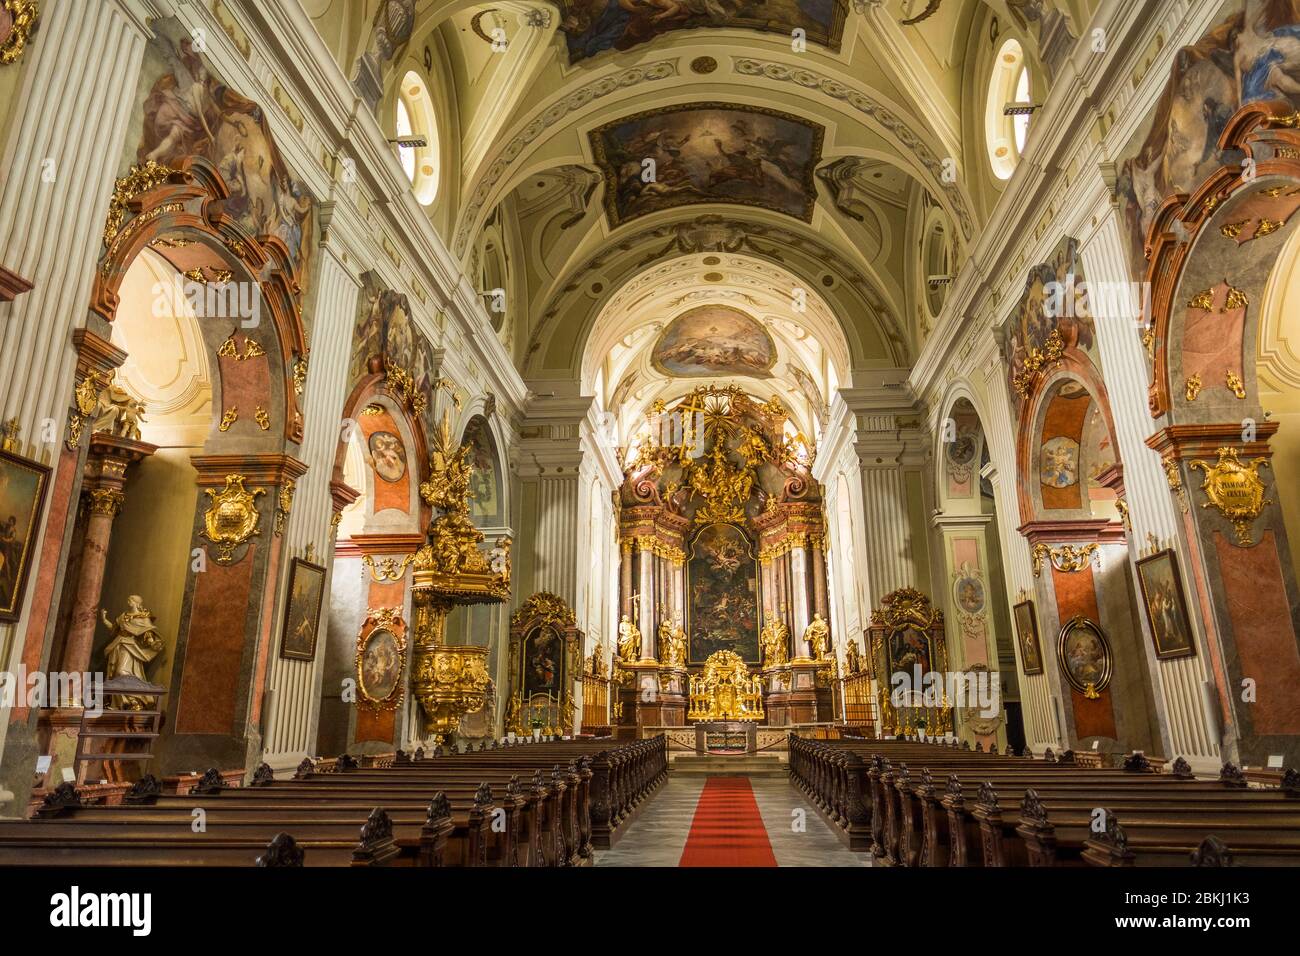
[707,153]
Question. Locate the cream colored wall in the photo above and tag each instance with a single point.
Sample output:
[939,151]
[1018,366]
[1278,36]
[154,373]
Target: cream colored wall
[149,554]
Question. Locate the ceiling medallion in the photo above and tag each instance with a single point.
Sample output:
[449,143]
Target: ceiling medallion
[703,64]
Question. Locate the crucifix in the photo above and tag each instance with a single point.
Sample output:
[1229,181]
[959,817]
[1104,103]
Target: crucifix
[636,601]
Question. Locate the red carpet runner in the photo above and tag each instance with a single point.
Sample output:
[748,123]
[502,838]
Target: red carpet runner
[727,829]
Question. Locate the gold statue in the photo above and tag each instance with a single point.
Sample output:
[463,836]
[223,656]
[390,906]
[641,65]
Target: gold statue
[852,657]
[672,644]
[512,716]
[817,634]
[774,638]
[629,640]
[118,413]
[598,661]
[136,642]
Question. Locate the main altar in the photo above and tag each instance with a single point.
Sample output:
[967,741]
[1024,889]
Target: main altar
[723,605]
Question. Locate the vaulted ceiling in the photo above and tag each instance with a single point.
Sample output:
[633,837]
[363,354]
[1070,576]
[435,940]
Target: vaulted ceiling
[590,148]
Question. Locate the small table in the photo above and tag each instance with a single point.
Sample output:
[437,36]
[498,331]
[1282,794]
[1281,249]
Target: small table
[726,737]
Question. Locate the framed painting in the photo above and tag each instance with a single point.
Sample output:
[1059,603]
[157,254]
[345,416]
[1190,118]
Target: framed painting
[381,660]
[1031,651]
[302,612]
[23,486]
[1084,655]
[543,662]
[1166,605]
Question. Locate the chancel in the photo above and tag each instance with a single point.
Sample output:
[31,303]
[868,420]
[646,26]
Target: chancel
[561,434]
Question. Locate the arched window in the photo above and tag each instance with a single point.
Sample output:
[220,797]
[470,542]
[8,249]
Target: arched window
[1009,84]
[414,117]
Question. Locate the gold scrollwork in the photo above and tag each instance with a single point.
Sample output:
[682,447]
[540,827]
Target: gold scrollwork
[262,418]
[300,374]
[1234,489]
[139,179]
[284,505]
[1193,388]
[228,418]
[1235,384]
[401,383]
[1038,360]
[1066,558]
[387,569]
[23,15]
[1122,507]
[85,399]
[231,518]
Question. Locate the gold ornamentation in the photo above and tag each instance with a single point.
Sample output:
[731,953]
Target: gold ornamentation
[1170,465]
[724,486]
[382,621]
[11,429]
[1038,360]
[171,242]
[629,640]
[1235,384]
[672,644]
[1231,230]
[1122,507]
[1203,300]
[105,501]
[262,418]
[817,637]
[251,350]
[372,409]
[228,418]
[139,179]
[335,520]
[23,14]
[231,518]
[85,399]
[1065,558]
[300,374]
[1193,388]
[448,386]
[284,504]
[230,349]
[401,383]
[1234,489]
[387,569]
[725,690]
[1267,227]
[1237,299]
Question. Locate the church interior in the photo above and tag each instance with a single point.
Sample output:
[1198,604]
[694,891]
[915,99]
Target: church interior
[573,433]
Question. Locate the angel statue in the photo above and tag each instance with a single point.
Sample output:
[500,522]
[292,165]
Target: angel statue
[118,413]
[136,642]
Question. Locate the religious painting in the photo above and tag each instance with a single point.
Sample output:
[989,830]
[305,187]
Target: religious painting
[381,658]
[189,110]
[1084,655]
[1031,652]
[714,340]
[707,153]
[22,496]
[909,648]
[1250,54]
[1055,314]
[388,456]
[1059,462]
[386,337]
[543,652]
[591,27]
[1166,605]
[968,593]
[302,613]
[485,505]
[722,584]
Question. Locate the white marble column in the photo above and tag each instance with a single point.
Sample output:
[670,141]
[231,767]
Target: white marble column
[888,548]
[1178,683]
[291,725]
[646,611]
[799,610]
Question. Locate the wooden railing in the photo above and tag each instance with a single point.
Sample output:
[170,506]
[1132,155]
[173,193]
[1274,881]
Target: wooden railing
[856,691]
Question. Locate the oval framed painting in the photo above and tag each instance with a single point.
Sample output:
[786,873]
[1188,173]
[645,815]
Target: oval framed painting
[1085,657]
[381,661]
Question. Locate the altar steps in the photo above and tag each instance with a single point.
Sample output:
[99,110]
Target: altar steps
[729,765]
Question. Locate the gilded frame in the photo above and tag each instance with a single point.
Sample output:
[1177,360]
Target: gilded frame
[387,622]
[1184,614]
[11,603]
[1089,689]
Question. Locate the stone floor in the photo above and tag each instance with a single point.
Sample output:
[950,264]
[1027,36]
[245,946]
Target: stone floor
[658,836]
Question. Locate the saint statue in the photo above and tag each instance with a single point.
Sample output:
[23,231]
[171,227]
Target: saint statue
[852,658]
[817,634]
[512,715]
[629,640]
[136,642]
[672,644]
[773,638]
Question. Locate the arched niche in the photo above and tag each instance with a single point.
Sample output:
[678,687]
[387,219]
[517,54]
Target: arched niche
[1220,265]
[487,507]
[205,321]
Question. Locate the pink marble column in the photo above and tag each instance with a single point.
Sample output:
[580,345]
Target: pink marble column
[105,480]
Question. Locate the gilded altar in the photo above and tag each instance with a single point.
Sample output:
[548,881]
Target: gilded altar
[725,690]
